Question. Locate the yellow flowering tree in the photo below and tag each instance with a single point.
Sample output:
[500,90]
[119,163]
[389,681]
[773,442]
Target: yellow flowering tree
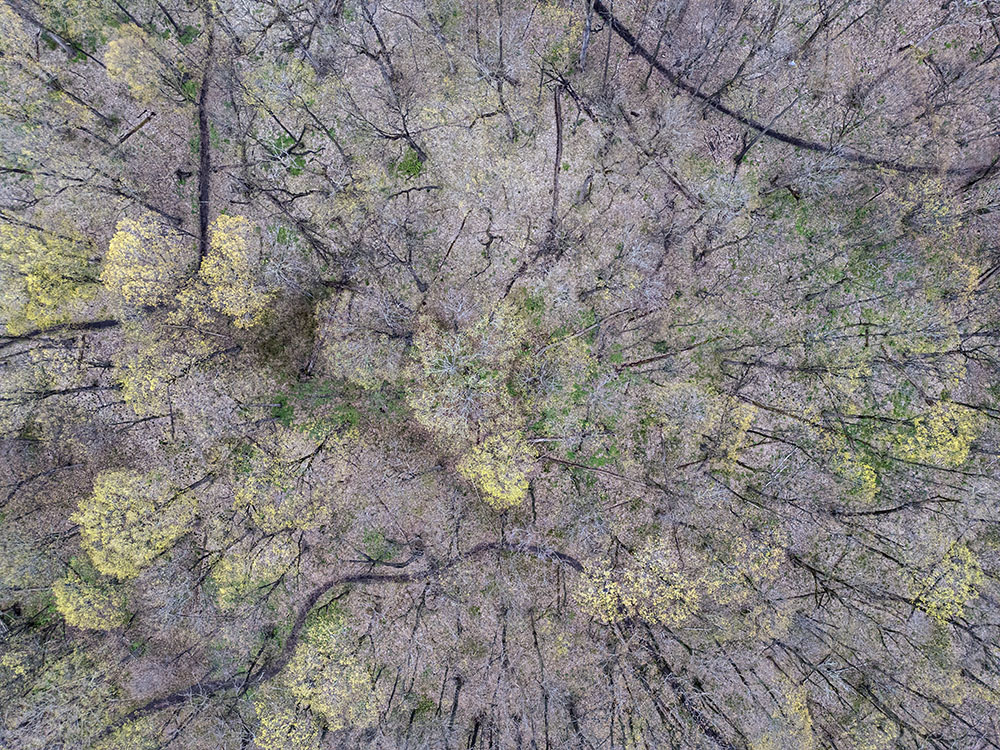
[942,436]
[45,274]
[130,518]
[30,92]
[145,261]
[953,583]
[499,468]
[652,589]
[140,734]
[13,39]
[326,674]
[145,376]
[60,704]
[243,569]
[791,725]
[283,723]
[233,271]
[88,600]
[277,499]
[130,59]
[874,732]
[862,479]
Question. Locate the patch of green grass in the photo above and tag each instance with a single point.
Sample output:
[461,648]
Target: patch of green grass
[409,166]
[283,411]
[190,90]
[188,34]
[377,547]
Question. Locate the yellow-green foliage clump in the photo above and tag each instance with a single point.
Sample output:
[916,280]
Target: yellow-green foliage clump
[942,436]
[14,665]
[145,376]
[562,30]
[272,86]
[129,59]
[955,582]
[601,593]
[284,724]
[499,467]
[326,674]
[862,479]
[739,560]
[651,589]
[741,417]
[739,568]
[233,271]
[656,591]
[62,704]
[240,571]
[276,499]
[44,274]
[87,600]
[874,732]
[133,735]
[26,95]
[13,39]
[145,261]
[130,519]
[791,725]
[193,305]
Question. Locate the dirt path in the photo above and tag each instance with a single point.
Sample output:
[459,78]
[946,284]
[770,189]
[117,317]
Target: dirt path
[280,660]
[205,149]
[766,130]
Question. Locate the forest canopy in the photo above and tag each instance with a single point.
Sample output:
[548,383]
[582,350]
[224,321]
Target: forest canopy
[499,374]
